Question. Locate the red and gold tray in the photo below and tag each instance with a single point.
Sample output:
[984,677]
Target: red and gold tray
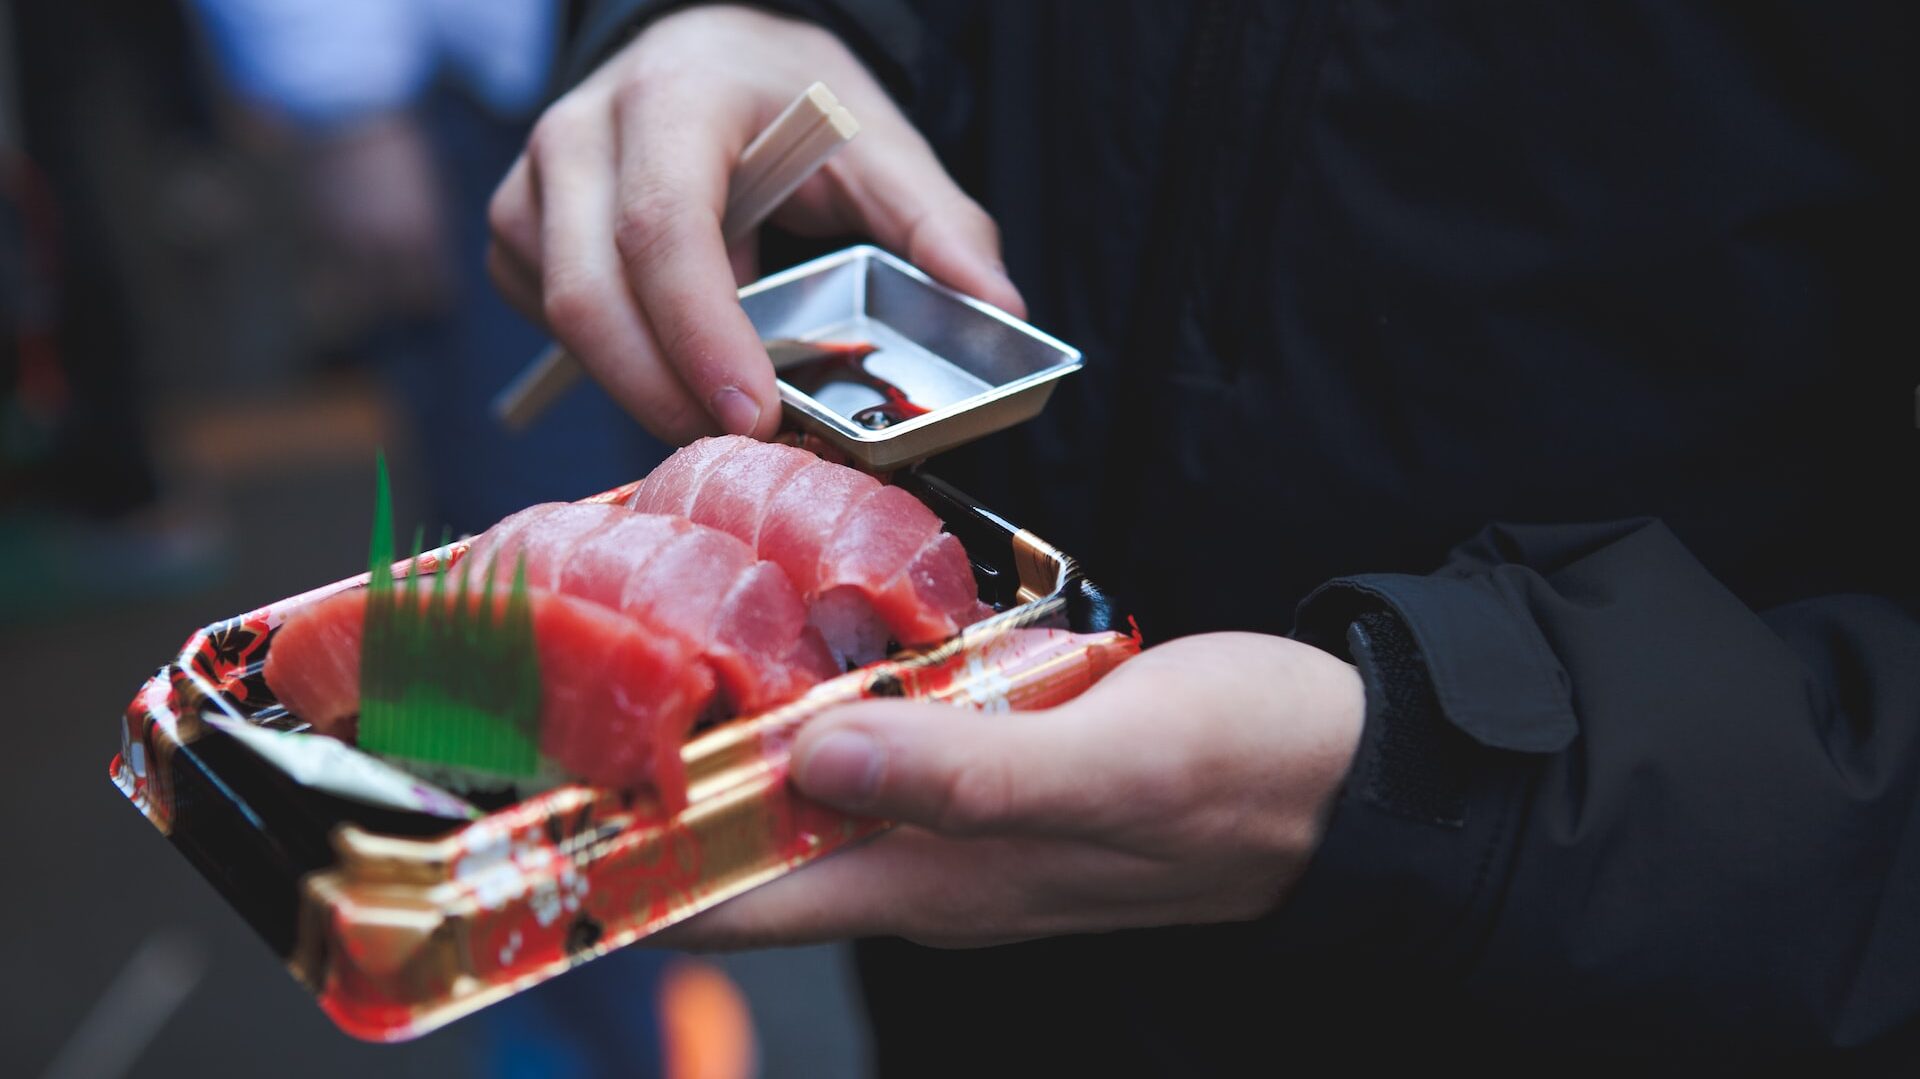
[401,920]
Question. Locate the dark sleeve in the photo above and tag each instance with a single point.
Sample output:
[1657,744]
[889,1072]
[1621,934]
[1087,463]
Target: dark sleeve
[1601,799]
[905,47]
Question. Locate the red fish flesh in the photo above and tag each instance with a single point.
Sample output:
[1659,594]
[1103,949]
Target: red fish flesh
[870,559]
[698,584]
[616,702]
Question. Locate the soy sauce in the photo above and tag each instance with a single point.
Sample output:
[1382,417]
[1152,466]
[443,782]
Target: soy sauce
[846,362]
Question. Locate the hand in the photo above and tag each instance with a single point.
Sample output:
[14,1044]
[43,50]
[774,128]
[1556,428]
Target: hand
[607,228]
[1189,786]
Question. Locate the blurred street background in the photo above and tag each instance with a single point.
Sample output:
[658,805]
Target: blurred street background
[240,250]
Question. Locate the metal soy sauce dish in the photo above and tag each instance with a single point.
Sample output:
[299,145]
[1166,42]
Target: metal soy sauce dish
[892,367]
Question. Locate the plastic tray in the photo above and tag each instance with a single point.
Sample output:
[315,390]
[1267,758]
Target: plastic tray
[401,920]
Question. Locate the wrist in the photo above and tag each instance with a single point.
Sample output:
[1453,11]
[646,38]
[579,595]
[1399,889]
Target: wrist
[1410,761]
[1341,703]
[1420,830]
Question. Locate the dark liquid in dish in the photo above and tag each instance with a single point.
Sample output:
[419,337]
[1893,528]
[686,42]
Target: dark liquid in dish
[842,362]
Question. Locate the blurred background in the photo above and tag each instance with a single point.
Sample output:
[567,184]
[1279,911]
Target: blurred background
[240,250]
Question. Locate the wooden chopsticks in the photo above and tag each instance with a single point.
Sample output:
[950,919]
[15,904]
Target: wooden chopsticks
[780,159]
[777,161]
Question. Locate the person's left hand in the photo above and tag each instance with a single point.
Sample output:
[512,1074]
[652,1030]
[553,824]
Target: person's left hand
[1189,786]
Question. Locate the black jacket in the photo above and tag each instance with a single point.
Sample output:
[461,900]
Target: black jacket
[1355,280]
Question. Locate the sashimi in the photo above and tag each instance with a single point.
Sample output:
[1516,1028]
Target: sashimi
[550,540]
[863,554]
[940,576]
[873,544]
[803,515]
[616,702]
[763,643]
[670,487]
[734,493]
[749,622]
[681,586]
[545,534]
[599,566]
[675,577]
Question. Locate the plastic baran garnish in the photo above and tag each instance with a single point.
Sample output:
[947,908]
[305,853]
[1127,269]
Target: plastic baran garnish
[449,677]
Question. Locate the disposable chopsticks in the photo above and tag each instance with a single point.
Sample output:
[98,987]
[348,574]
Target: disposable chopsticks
[781,158]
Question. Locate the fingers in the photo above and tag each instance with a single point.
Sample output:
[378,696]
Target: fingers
[582,297]
[914,884]
[867,890]
[673,171]
[608,228]
[1129,757]
[957,772]
[518,283]
[513,214]
[1181,789]
[513,251]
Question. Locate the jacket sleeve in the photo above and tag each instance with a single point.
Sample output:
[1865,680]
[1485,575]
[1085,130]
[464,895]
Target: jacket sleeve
[905,47]
[1599,797]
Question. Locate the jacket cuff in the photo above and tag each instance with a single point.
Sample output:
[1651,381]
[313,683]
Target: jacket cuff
[1493,675]
[1407,871]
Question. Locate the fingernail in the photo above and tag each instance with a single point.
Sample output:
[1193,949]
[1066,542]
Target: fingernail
[844,768]
[738,414]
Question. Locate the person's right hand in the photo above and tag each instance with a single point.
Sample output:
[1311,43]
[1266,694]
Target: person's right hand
[1190,786]
[607,229]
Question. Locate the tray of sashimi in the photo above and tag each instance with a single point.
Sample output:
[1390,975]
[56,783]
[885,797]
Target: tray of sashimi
[686,626]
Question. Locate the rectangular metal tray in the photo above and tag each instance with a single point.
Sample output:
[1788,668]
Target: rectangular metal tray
[975,368]
[403,921]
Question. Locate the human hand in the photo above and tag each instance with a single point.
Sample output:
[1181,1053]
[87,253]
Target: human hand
[1189,786]
[607,229]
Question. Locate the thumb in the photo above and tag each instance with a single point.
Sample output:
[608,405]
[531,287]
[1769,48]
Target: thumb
[948,769]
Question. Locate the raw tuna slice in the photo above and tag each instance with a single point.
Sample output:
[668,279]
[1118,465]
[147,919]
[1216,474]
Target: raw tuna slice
[539,532]
[764,649]
[599,566]
[872,545]
[862,553]
[670,487]
[616,702]
[890,549]
[803,515]
[734,493]
[743,615]
[939,578]
[699,584]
